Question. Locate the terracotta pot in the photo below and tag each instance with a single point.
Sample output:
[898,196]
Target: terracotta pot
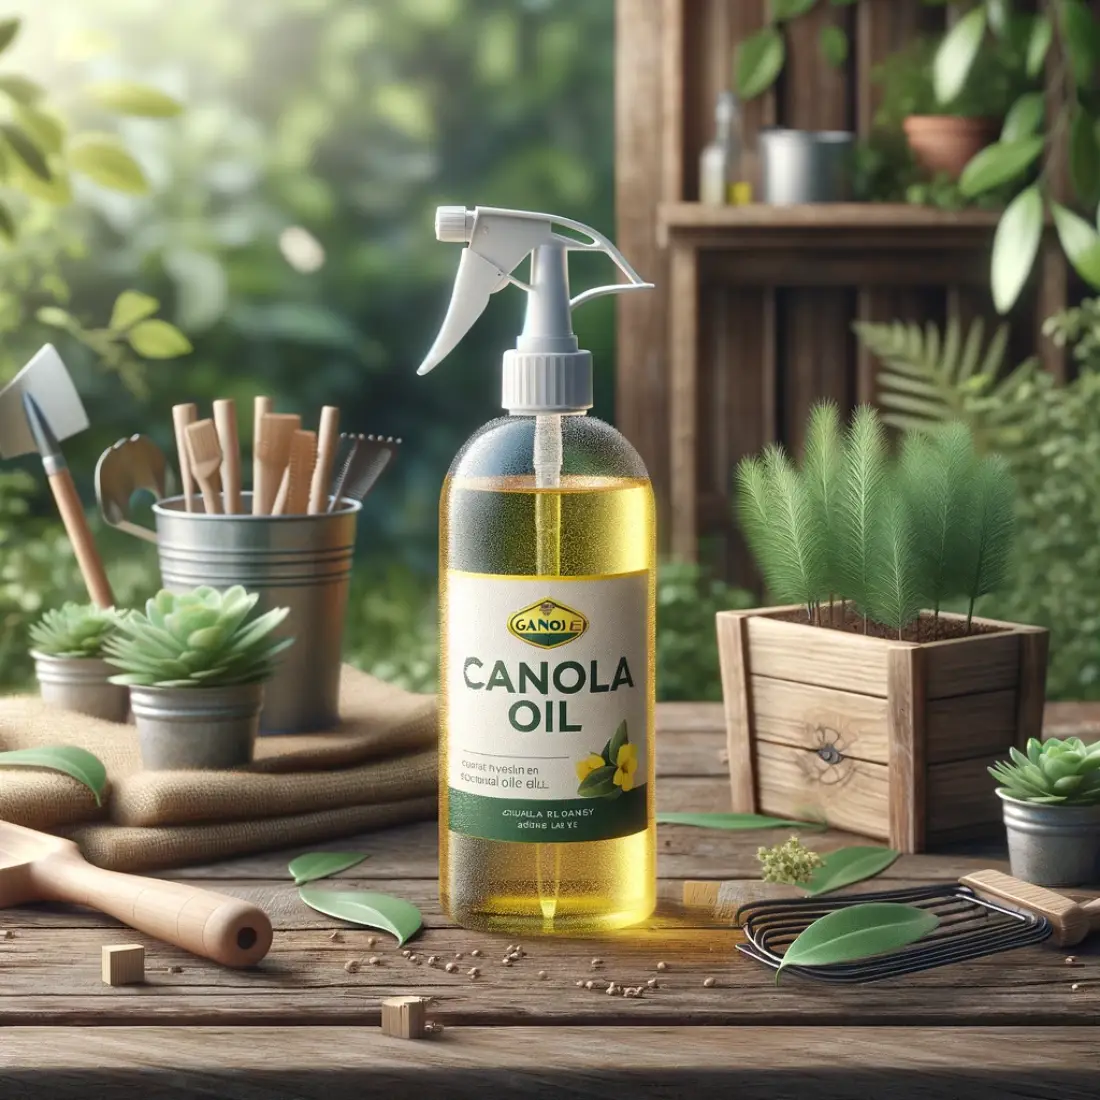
[944,143]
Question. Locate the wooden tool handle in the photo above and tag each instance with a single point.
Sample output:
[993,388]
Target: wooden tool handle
[227,930]
[328,437]
[80,535]
[225,417]
[182,415]
[260,407]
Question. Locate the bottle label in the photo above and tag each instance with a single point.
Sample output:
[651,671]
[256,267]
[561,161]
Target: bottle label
[546,714]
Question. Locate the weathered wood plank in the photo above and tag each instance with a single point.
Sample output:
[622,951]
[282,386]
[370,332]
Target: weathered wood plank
[551,1063]
[971,725]
[959,666]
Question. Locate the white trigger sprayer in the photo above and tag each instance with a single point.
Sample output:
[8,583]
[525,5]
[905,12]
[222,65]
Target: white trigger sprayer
[547,373]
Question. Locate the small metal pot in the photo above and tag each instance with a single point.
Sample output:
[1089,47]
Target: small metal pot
[197,728]
[1052,845]
[82,684]
[804,166]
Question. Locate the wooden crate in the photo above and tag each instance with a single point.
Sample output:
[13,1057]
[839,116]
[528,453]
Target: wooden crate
[885,738]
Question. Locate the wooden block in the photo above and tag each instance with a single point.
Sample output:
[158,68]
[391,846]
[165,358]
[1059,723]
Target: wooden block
[405,1017]
[738,707]
[123,963]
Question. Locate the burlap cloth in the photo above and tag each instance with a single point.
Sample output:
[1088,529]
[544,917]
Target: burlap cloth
[379,768]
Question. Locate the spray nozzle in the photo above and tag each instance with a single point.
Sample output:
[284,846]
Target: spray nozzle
[546,372]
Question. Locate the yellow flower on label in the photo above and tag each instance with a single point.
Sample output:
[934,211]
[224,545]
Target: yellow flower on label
[626,764]
[588,765]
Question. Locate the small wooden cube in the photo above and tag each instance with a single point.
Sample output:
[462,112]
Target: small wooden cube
[123,963]
[405,1017]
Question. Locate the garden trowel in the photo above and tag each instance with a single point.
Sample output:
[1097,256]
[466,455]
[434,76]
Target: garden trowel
[39,407]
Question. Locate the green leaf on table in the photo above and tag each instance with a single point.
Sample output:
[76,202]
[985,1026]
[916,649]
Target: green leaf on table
[1080,242]
[1081,37]
[26,150]
[790,9]
[78,763]
[20,88]
[364,907]
[733,821]
[858,932]
[834,45]
[1038,43]
[998,163]
[128,98]
[758,61]
[1015,246]
[9,28]
[1024,117]
[955,56]
[1084,156]
[314,865]
[130,307]
[848,865]
[158,340]
[103,159]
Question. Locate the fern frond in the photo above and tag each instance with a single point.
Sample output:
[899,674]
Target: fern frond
[993,526]
[925,375]
[799,550]
[937,478]
[754,513]
[895,594]
[823,473]
[860,504]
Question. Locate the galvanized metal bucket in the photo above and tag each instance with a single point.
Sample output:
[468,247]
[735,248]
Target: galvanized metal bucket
[299,562]
[196,727]
[1052,845]
[82,684]
[801,166]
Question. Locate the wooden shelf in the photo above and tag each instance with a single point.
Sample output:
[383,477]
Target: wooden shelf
[832,226]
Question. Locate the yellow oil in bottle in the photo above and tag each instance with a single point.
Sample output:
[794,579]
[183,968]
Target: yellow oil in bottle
[525,710]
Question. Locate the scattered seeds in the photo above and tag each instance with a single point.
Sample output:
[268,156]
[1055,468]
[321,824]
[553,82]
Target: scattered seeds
[473,972]
[476,952]
[336,937]
[414,958]
[451,967]
[579,984]
[352,966]
[371,941]
[9,934]
[662,966]
[458,954]
[652,983]
[1070,960]
[708,982]
[515,956]
[433,959]
[1076,986]
[506,962]
[543,975]
[597,962]
[374,960]
[589,984]
[174,969]
[406,953]
[433,1028]
[612,989]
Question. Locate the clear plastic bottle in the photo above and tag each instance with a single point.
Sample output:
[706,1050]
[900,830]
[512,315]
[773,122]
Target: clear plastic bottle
[587,544]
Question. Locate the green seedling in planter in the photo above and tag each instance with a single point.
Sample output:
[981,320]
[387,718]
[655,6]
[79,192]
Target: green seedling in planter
[73,630]
[199,639]
[1059,772]
[884,535]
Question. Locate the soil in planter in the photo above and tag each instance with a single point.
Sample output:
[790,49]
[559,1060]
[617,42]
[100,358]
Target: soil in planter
[921,631]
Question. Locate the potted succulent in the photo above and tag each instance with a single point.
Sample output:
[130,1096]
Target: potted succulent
[945,131]
[1051,798]
[196,666]
[68,661]
[861,702]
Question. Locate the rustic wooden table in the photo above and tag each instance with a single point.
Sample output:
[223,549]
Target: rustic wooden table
[1017,1025]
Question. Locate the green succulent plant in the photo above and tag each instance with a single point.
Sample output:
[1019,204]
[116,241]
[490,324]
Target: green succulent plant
[73,630]
[1054,771]
[198,639]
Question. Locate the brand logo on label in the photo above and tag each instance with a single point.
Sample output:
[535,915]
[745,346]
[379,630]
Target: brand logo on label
[547,624]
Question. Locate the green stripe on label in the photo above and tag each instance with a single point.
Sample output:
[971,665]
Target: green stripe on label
[561,821]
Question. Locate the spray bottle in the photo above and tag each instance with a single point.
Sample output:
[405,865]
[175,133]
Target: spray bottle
[547,572]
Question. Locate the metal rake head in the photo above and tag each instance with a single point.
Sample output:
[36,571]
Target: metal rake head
[970,927]
[367,457]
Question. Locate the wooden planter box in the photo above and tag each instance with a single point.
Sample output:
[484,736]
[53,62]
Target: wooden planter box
[885,738]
